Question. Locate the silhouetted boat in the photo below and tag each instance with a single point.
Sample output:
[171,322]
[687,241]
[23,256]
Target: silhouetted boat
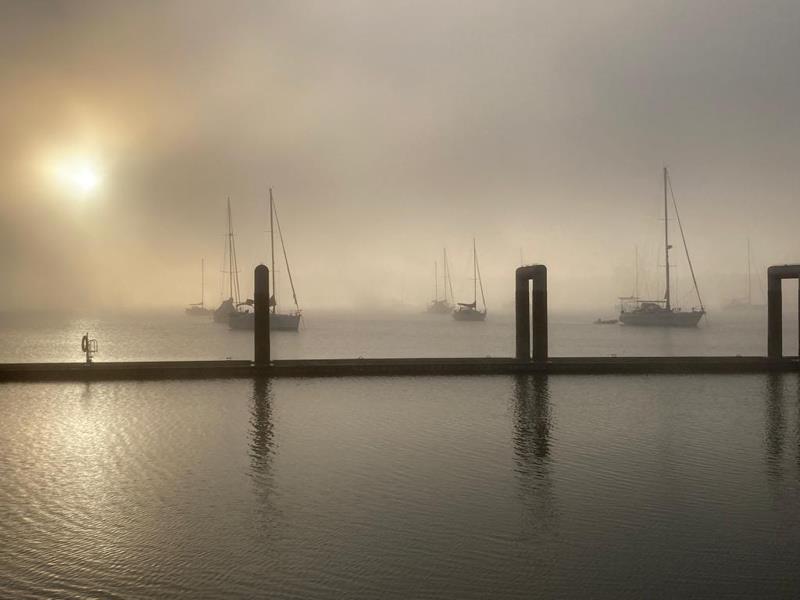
[441,306]
[606,321]
[468,311]
[278,321]
[229,306]
[746,303]
[198,309]
[661,313]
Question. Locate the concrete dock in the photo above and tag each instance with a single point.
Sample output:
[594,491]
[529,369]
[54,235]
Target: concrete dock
[383,367]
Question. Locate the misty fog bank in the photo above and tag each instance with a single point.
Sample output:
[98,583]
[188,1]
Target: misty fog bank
[389,131]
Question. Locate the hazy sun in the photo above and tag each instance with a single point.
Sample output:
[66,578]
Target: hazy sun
[79,176]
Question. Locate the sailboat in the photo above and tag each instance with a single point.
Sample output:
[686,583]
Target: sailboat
[662,313]
[278,321]
[231,304]
[198,309]
[746,303]
[441,306]
[468,311]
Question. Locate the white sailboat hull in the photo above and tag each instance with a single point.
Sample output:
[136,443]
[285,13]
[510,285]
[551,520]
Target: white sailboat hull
[469,314]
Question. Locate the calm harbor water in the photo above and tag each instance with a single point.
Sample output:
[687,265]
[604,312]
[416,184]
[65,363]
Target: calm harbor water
[473,487]
[501,487]
[161,335]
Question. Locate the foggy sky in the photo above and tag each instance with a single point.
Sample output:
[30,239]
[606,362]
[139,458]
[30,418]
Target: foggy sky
[389,130]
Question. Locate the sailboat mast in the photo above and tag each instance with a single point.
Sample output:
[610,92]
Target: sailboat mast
[749,295]
[636,273]
[230,251]
[666,240]
[444,274]
[272,250]
[435,282]
[447,278]
[474,274]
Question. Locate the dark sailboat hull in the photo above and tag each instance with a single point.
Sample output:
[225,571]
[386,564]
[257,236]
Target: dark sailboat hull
[661,318]
[277,321]
[224,311]
[469,314]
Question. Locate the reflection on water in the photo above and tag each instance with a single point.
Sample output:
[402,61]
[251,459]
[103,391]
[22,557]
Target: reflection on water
[262,444]
[485,487]
[775,424]
[532,425]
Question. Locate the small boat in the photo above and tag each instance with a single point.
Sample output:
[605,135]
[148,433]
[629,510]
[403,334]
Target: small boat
[198,309]
[278,321]
[606,321]
[662,313]
[231,304]
[441,306]
[468,311]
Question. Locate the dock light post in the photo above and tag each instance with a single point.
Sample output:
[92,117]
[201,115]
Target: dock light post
[775,276]
[261,316]
[531,313]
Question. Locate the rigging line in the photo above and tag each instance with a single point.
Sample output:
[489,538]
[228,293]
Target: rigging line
[236,290]
[236,293]
[480,281]
[449,278]
[274,292]
[285,257]
[222,268]
[685,247]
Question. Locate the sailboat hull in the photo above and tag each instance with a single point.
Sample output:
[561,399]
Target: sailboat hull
[469,314]
[439,307]
[661,318]
[277,321]
[224,311]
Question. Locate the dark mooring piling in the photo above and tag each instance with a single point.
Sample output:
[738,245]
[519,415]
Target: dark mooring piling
[531,313]
[775,277]
[261,316]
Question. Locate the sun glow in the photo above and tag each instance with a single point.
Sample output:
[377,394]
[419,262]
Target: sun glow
[79,176]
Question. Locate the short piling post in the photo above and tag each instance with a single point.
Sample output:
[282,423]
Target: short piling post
[261,316]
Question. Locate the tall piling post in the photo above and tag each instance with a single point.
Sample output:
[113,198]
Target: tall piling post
[261,316]
[539,313]
[522,308]
[774,314]
[531,313]
[775,277]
